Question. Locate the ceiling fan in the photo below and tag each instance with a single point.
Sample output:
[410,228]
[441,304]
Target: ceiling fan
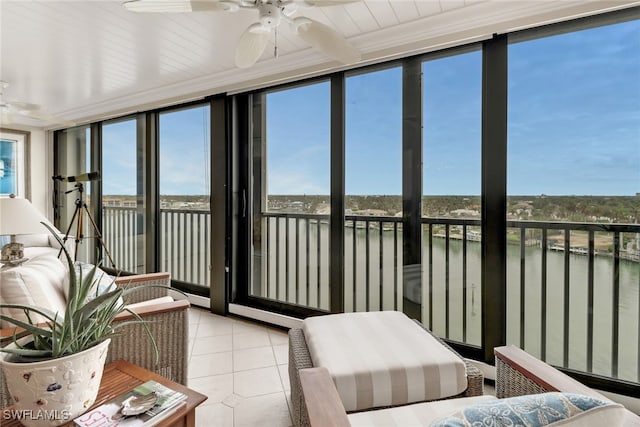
[272,13]
[10,109]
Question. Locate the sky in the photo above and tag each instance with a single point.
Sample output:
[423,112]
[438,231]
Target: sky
[184,154]
[573,126]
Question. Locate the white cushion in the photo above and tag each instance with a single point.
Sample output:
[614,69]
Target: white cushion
[37,282]
[33,239]
[102,282]
[416,414]
[36,251]
[383,359]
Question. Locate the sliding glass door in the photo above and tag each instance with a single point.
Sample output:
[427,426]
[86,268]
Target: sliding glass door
[123,195]
[184,241]
[291,196]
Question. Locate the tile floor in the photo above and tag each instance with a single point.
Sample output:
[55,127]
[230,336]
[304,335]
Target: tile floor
[242,367]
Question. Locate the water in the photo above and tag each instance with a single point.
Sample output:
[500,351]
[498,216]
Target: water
[300,276]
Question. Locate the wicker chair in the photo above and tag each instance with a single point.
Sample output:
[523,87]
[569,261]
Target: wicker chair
[299,358]
[517,374]
[167,322]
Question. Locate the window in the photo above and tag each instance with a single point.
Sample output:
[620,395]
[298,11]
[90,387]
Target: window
[373,189]
[74,157]
[573,156]
[452,112]
[185,179]
[123,225]
[291,185]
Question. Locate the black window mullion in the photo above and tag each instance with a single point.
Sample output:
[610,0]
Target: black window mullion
[412,183]
[494,190]
[337,221]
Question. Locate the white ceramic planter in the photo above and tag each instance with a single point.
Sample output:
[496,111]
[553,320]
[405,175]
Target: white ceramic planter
[52,392]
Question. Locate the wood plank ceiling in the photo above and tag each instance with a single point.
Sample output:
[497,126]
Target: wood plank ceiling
[85,60]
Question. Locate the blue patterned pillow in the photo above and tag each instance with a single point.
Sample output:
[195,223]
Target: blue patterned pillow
[534,410]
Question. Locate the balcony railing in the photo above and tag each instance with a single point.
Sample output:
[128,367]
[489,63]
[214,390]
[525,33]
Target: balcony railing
[184,241]
[590,293]
[573,289]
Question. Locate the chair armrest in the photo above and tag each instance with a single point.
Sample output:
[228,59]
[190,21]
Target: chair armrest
[146,283]
[154,309]
[519,373]
[323,402]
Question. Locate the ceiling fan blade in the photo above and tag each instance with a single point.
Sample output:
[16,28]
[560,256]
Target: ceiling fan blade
[321,3]
[326,39]
[23,106]
[251,45]
[6,117]
[178,6]
[38,115]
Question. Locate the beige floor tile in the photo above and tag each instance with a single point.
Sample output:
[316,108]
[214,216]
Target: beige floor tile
[213,344]
[209,327]
[205,365]
[278,337]
[252,358]
[215,387]
[284,377]
[217,415]
[282,354]
[255,338]
[193,314]
[268,410]
[190,343]
[256,382]
[243,327]
[193,329]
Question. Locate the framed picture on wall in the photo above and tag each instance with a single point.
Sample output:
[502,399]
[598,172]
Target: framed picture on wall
[14,163]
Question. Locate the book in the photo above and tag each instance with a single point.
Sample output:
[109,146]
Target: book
[109,413]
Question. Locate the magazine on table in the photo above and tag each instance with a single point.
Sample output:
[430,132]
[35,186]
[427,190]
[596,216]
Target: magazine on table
[111,414]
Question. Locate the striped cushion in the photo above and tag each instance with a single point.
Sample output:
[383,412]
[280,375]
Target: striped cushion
[383,359]
[37,282]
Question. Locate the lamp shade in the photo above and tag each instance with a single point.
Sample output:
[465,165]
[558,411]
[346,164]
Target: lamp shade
[18,216]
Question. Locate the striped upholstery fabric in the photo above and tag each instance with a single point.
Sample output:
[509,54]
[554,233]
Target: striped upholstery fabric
[382,359]
[417,414]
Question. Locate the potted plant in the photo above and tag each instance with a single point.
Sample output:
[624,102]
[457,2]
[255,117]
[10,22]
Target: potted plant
[53,373]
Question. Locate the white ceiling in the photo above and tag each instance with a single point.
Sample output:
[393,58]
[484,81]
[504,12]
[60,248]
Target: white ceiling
[89,59]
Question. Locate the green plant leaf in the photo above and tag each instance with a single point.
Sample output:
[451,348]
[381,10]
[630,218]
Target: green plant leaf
[85,323]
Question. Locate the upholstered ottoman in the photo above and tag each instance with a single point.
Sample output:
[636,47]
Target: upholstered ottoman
[378,359]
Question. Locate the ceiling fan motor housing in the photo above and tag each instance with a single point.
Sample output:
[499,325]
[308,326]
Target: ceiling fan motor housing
[269,14]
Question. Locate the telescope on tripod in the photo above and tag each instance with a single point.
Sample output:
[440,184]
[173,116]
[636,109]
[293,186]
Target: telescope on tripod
[80,209]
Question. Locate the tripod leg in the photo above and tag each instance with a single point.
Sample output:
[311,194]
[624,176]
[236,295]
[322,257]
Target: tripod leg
[99,236]
[66,234]
[79,231]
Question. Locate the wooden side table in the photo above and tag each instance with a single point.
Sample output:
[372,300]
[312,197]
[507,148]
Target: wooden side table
[122,376]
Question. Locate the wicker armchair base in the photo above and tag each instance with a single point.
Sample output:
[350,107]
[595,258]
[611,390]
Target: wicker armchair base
[299,358]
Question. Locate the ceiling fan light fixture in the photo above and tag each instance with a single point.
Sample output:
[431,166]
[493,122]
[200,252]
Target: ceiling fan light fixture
[269,14]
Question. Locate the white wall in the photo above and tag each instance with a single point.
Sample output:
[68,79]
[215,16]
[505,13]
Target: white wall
[41,171]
